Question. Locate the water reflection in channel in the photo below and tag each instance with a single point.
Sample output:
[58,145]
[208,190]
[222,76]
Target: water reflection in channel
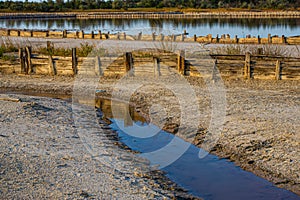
[209,178]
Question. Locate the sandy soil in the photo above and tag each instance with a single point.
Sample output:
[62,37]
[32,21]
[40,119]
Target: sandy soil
[43,156]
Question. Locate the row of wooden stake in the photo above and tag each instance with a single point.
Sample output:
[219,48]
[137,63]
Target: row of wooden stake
[25,56]
[248,68]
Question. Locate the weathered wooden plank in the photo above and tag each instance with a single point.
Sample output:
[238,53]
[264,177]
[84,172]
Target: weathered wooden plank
[247,67]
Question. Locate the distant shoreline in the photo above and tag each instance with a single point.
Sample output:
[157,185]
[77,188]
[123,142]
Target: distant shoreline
[153,15]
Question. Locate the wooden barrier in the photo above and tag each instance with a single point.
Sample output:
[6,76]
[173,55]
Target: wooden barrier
[74,61]
[98,70]
[52,68]
[247,68]
[25,60]
[181,67]
[278,70]
[22,60]
[224,39]
[129,63]
[158,64]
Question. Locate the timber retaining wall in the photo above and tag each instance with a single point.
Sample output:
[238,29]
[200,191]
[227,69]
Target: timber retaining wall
[98,34]
[153,63]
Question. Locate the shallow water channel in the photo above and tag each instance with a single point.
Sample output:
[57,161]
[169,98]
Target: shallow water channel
[208,178]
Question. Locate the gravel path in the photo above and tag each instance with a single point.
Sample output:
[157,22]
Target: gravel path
[44,157]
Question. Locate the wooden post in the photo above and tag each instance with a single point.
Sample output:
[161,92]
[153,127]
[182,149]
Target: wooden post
[93,35]
[100,34]
[195,38]
[140,36]
[247,67]
[47,33]
[98,70]
[153,36]
[236,39]
[186,68]
[283,38]
[22,60]
[28,68]
[8,32]
[269,38]
[31,33]
[184,32]
[173,37]
[64,33]
[258,39]
[18,33]
[82,34]
[260,51]
[182,37]
[124,35]
[162,37]
[118,36]
[77,34]
[217,39]
[209,37]
[181,62]
[278,70]
[52,68]
[74,61]
[156,64]
[129,63]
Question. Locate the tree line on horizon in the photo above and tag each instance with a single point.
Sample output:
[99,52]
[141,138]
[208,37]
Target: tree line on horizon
[69,5]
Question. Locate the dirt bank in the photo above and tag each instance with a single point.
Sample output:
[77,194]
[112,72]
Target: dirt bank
[261,127]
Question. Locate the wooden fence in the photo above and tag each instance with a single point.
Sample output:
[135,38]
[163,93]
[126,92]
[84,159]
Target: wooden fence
[154,63]
[183,37]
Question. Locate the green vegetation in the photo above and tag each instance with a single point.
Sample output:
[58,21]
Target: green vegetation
[75,5]
[269,50]
[5,48]
[83,51]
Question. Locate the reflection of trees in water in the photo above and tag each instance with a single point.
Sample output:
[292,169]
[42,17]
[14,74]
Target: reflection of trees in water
[123,24]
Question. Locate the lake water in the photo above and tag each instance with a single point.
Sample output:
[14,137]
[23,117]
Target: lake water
[240,27]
